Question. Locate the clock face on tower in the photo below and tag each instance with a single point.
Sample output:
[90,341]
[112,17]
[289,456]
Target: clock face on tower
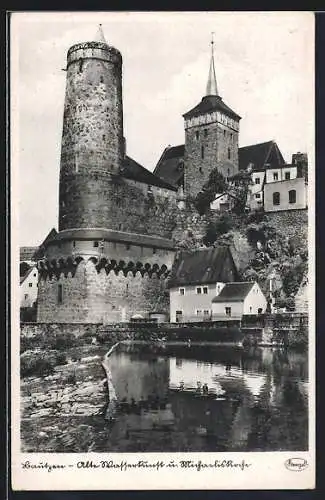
[215,117]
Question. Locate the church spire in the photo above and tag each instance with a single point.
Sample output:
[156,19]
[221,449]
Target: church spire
[99,37]
[212,88]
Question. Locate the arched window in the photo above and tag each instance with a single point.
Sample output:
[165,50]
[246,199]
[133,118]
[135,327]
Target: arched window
[276,198]
[292,196]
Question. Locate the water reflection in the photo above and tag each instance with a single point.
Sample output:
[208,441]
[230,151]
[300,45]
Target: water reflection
[209,399]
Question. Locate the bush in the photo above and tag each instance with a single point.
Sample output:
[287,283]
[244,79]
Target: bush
[218,227]
[40,363]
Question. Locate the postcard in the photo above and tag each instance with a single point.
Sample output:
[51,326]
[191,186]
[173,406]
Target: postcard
[162,253]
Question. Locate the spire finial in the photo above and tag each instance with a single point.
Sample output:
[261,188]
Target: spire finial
[100,35]
[212,88]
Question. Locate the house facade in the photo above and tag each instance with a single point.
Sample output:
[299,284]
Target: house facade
[288,194]
[238,299]
[28,287]
[196,278]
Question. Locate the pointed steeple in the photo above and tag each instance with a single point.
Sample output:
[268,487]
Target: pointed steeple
[212,88]
[99,37]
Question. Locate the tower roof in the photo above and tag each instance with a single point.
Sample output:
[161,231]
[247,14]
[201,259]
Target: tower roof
[212,88]
[99,37]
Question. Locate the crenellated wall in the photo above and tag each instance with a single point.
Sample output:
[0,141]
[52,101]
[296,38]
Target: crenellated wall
[91,293]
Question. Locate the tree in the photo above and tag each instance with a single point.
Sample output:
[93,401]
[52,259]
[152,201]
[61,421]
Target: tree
[216,228]
[214,185]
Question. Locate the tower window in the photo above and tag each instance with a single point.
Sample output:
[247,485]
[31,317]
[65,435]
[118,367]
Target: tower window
[96,244]
[74,244]
[287,176]
[197,135]
[229,153]
[205,132]
[275,176]
[257,180]
[292,196]
[60,294]
[200,170]
[101,79]
[202,152]
[276,198]
[224,133]
[80,65]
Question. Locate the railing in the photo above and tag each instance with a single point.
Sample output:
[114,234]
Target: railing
[206,318]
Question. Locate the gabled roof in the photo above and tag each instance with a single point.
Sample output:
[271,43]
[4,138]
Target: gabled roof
[23,278]
[203,266]
[39,253]
[209,104]
[133,170]
[170,167]
[260,155]
[234,292]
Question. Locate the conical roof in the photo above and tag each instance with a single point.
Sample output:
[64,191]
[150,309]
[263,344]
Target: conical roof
[99,37]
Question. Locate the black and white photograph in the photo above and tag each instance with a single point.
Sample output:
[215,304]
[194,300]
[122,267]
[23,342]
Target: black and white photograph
[162,187]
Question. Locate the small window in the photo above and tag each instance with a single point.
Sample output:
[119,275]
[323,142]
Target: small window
[200,170]
[127,246]
[250,309]
[292,196]
[202,152]
[34,275]
[30,285]
[149,189]
[257,180]
[198,312]
[205,290]
[259,310]
[60,294]
[228,311]
[205,132]
[26,296]
[182,291]
[287,176]
[154,250]
[73,244]
[276,198]
[206,312]
[198,290]
[229,153]
[275,176]
[224,133]
[101,79]
[257,196]
[197,135]
[96,244]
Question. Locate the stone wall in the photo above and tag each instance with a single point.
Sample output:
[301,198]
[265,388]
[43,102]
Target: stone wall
[293,223]
[92,138]
[97,297]
[207,151]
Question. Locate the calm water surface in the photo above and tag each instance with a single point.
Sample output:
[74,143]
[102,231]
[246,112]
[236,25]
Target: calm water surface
[206,398]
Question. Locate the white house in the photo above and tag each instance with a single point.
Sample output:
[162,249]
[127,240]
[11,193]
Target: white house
[195,279]
[238,298]
[28,287]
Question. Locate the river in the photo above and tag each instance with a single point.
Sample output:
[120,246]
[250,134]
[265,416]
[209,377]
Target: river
[180,398]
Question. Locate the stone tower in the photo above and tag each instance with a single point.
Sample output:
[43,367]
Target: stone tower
[92,138]
[211,137]
[101,267]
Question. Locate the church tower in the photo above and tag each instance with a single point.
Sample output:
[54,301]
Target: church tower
[211,137]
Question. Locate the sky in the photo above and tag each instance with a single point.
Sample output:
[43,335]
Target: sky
[265,72]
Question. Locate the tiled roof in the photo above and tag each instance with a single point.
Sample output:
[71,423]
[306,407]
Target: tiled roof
[234,292]
[209,104]
[203,266]
[260,155]
[23,278]
[39,253]
[133,170]
[112,235]
[170,167]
